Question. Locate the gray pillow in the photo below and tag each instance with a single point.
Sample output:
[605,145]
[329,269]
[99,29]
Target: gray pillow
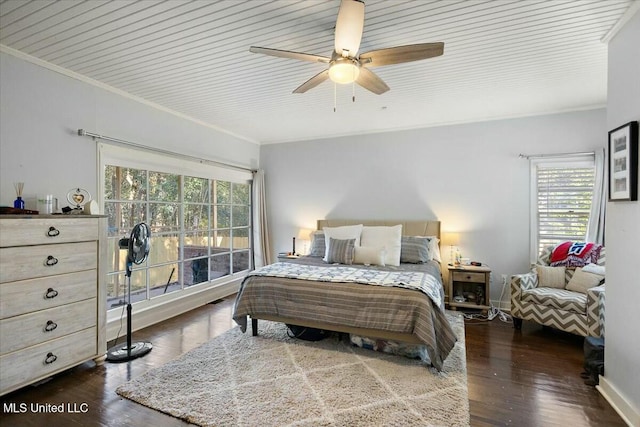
[414,250]
[318,247]
[341,251]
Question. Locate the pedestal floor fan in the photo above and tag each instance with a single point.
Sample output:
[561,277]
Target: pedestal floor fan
[137,246]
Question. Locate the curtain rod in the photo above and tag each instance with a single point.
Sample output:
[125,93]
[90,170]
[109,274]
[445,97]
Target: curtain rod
[82,132]
[542,156]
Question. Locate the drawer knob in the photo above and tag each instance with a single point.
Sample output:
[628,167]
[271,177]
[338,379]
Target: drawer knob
[53,232]
[51,261]
[50,326]
[468,277]
[50,358]
[51,293]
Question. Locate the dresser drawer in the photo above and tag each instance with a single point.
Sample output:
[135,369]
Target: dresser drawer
[464,276]
[19,332]
[27,262]
[26,296]
[35,363]
[42,231]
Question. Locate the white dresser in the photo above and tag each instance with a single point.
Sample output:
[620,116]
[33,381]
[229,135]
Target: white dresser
[52,295]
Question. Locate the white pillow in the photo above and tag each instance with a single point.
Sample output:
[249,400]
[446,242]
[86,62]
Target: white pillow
[594,268]
[582,281]
[390,238]
[551,277]
[341,233]
[370,255]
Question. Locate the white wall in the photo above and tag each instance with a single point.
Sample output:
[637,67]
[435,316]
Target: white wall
[41,111]
[467,176]
[622,346]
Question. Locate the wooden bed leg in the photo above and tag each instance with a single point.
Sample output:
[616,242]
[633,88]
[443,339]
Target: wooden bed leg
[254,327]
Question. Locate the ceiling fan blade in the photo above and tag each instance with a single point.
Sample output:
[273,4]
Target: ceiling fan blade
[370,81]
[289,54]
[399,54]
[349,26]
[312,82]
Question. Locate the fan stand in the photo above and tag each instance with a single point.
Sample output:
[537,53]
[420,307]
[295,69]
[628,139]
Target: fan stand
[128,351]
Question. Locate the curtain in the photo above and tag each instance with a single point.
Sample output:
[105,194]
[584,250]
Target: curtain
[595,228]
[261,253]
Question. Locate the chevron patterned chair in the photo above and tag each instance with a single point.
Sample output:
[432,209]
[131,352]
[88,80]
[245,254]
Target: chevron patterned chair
[575,312]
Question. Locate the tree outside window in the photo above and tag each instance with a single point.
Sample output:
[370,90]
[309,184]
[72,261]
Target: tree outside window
[200,229]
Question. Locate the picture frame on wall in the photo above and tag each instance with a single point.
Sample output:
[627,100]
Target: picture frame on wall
[623,163]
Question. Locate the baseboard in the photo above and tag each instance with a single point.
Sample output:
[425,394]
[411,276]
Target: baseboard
[629,414]
[144,316]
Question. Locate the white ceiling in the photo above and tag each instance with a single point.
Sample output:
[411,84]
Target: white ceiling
[501,59]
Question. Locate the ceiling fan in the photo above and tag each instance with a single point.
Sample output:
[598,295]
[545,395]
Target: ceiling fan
[345,65]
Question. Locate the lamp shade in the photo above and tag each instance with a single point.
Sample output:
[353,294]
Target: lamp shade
[450,238]
[304,234]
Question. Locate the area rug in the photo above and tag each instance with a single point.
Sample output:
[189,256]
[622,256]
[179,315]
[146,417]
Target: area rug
[273,380]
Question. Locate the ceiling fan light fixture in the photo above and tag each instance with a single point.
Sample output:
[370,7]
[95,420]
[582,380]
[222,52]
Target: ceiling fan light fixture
[344,72]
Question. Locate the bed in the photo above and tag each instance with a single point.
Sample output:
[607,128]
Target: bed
[405,305]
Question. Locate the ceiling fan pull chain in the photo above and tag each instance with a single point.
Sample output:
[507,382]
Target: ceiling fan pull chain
[353,84]
[353,93]
[335,91]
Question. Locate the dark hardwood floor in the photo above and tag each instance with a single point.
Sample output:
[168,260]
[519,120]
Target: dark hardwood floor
[520,378]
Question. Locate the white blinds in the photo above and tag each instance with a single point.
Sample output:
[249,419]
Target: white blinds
[564,194]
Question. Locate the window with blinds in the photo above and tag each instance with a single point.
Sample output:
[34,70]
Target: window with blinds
[563,194]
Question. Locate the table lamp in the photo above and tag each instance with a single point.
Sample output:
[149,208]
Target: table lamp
[450,239]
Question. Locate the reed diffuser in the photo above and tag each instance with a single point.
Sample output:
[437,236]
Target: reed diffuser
[18,203]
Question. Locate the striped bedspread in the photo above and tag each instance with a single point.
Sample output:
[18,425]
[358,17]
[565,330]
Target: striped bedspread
[416,280]
[328,300]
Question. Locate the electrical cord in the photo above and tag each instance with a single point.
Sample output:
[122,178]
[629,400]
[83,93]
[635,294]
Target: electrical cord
[493,311]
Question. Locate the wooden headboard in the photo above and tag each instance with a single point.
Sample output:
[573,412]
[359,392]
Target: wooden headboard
[409,228]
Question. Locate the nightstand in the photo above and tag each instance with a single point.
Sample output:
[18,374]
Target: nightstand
[469,287]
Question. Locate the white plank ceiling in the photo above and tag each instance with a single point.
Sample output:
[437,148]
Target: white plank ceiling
[502,58]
